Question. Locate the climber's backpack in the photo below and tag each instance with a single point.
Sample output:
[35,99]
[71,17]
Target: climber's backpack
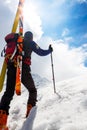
[11,40]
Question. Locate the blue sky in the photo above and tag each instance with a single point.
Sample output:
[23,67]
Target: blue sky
[72,16]
[60,23]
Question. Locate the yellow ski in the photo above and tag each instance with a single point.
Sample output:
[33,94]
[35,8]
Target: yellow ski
[14,28]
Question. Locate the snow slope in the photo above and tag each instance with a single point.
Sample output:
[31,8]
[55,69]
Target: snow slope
[64,110]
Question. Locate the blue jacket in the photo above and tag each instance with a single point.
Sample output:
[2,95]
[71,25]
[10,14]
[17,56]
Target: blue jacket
[31,46]
[38,50]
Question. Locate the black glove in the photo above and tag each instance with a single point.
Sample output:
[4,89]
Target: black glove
[50,48]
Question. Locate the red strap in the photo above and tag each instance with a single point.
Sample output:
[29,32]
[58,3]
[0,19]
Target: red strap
[27,61]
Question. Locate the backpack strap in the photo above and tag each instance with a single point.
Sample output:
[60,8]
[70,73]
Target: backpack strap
[12,56]
[3,51]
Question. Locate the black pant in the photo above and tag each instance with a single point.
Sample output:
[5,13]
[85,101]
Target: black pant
[10,86]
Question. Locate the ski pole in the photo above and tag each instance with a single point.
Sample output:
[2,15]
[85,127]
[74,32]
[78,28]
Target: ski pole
[53,73]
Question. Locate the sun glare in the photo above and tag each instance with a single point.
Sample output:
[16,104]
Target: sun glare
[32,20]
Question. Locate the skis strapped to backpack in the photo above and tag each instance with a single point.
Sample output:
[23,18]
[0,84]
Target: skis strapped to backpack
[14,28]
[20,52]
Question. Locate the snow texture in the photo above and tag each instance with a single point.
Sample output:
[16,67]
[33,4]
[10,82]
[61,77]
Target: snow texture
[64,110]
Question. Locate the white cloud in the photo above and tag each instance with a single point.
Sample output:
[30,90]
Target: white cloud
[12,5]
[65,32]
[58,3]
[66,36]
[68,39]
[85,35]
[67,62]
[32,20]
[8,1]
[52,13]
[82,1]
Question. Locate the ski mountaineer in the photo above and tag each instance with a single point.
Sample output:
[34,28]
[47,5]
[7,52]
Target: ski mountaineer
[29,46]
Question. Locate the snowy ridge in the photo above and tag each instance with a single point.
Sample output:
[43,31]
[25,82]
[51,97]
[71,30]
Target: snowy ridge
[66,113]
[53,112]
[40,81]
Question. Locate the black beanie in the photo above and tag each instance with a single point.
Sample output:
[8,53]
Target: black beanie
[28,35]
